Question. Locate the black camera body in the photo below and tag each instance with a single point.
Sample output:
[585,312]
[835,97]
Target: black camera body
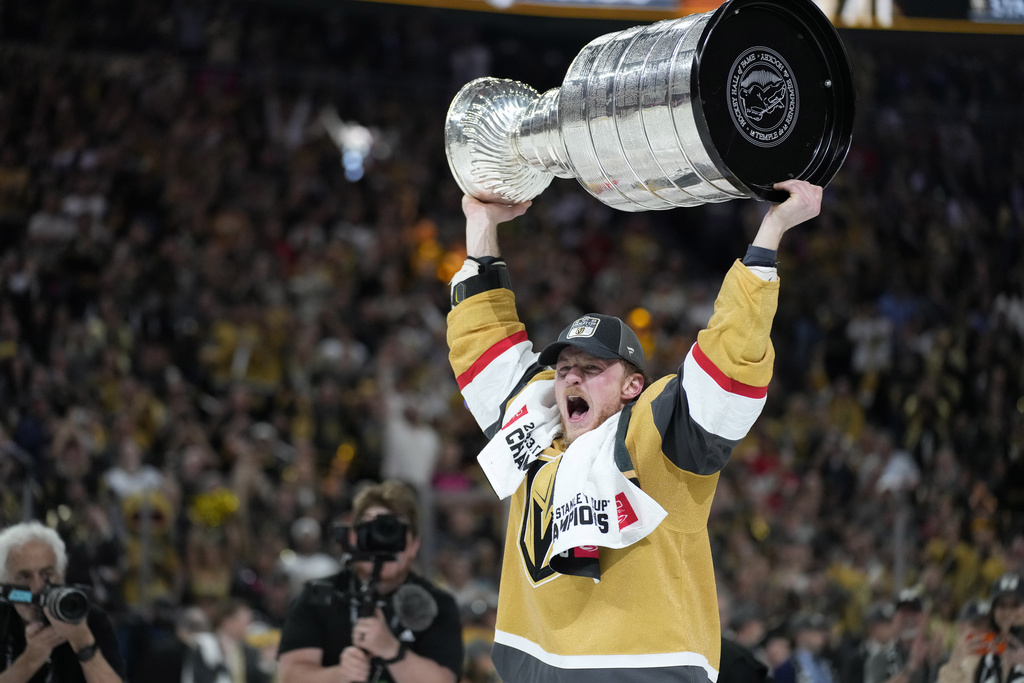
[67,603]
[382,535]
[377,540]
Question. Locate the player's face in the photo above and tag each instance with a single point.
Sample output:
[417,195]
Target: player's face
[589,390]
[33,565]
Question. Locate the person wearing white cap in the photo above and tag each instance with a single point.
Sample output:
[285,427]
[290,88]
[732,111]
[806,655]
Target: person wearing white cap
[307,560]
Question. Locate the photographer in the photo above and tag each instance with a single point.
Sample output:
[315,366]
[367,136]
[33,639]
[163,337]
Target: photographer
[992,654]
[62,640]
[376,620]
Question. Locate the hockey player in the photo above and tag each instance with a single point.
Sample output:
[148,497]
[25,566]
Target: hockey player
[607,572]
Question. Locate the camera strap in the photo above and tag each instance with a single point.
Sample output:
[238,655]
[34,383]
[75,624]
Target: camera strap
[7,634]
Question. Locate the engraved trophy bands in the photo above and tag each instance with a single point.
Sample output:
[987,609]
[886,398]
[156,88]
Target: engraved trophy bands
[704,108]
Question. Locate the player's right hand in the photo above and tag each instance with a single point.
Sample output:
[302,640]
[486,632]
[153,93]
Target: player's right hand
[493,214]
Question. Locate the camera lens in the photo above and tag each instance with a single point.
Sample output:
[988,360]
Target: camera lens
[382,534]
[67,603]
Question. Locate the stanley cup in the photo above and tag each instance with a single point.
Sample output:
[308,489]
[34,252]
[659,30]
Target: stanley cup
[704,108]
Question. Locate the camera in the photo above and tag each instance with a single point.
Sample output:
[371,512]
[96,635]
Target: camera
[384,534]
[1017,631]
[378,540]
[67,603]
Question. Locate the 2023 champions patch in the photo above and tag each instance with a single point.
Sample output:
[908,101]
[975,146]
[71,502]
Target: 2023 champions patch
[583,327]
[763,97]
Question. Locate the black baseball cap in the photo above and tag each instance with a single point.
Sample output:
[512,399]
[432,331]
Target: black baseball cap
[974,609]
[809,621]
[602,336]
[878,613]
[910,597]
[1007,584]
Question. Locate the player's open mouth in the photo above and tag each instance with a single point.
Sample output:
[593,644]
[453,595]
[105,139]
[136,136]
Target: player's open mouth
[576,408]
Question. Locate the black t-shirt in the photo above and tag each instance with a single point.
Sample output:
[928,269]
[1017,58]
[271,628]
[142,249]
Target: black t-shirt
[64,665]
[739,665]
[322,617]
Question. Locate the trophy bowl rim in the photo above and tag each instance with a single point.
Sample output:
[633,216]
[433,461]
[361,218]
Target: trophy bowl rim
[832,152]
[479,94]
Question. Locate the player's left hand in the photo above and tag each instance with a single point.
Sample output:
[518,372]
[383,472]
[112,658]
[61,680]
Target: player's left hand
[804,203]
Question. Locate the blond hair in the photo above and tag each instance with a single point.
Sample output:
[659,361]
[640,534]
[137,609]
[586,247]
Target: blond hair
[394,495]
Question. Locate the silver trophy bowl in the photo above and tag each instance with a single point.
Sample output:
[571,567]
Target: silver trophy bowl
[705,108]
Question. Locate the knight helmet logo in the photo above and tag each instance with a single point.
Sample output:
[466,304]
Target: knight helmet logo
[535,534]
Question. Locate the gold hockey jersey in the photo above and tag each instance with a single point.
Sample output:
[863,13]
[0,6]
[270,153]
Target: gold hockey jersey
[653,616]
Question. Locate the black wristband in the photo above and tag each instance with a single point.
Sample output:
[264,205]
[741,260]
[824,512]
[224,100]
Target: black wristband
[399,656]
[492,275]
[86,653]
[759,256]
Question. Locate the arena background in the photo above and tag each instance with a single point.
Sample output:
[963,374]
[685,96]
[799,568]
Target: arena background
[217,320]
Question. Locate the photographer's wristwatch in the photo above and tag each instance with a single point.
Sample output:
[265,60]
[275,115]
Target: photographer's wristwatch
[86,653]
[399,656]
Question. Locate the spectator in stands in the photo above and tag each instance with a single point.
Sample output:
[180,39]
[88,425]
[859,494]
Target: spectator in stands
[1002,658]
[308,561]
[878,637]
[809,660]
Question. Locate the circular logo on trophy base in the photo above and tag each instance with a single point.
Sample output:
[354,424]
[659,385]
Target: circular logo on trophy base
[763,99]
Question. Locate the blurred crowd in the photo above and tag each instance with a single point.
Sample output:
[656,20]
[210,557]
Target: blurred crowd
[226,230]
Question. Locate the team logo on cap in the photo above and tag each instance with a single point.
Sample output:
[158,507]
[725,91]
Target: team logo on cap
[583,327]
[763,98]
[1008,583]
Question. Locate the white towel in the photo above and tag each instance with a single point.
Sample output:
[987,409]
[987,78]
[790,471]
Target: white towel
[533,425]
[593,503]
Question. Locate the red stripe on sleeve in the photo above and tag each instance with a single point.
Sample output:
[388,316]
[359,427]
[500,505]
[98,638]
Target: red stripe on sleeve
[723,380]
[489,355]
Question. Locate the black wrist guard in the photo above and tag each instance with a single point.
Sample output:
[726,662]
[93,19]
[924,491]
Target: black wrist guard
[759,256]
[493,275]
